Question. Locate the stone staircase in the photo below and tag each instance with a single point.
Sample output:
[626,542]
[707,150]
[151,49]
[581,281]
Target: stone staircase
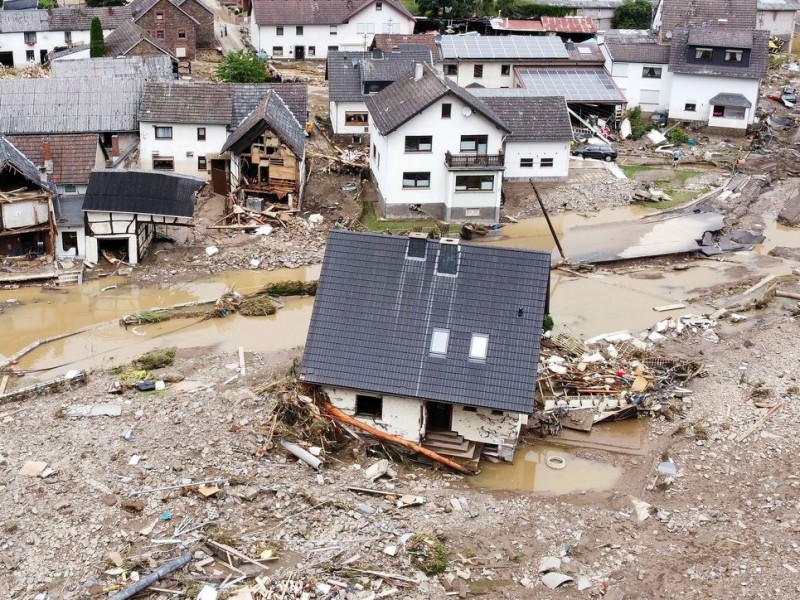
[452,445]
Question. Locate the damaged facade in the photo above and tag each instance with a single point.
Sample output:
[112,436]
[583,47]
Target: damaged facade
[27,224]
[267,156]
[429,340]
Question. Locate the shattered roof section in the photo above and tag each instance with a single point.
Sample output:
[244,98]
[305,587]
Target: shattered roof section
[10,156]
[367,333]
[402,100]
[271,113]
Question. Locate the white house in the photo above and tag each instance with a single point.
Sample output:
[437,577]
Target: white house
[639,66]
[778,17]
[183,125]
[430,340]
[354,76]
[27,36]
[538,144]
[309,29]
[435,148]
[123,209]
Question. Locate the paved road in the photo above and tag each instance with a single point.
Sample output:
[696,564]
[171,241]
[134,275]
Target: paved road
[222,18]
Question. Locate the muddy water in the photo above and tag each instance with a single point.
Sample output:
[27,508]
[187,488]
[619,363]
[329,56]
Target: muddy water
[530,472]
[45,314]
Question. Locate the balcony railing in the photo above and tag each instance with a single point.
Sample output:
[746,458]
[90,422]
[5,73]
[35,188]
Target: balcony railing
[474,160]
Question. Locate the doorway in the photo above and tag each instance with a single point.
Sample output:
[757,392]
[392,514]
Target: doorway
[43,56]
[440,416]
[300,52]
[7,59]
[220,182]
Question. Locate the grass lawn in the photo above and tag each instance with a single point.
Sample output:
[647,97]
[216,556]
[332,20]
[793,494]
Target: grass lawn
[371,222]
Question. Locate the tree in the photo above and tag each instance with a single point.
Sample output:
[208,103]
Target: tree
[448,9]
[633,14]
[97,45]
[46,4]
[101,3]
[242,67]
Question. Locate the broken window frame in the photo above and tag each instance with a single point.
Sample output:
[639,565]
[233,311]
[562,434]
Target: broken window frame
[369,406]
[356,118]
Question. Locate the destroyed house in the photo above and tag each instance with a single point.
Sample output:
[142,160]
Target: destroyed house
[267,155]
[26,205]
[123,208]
[429,340]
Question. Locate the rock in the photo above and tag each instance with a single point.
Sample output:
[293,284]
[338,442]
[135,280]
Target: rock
[33,468]
[554,580]
[526,583]
[642,509]
[377,470]
[549,563]
[390,550]
[785,252]
[365,509]
[132,505]
[790,215]
[584,583]
[171,377]
[3,460]
[116,558]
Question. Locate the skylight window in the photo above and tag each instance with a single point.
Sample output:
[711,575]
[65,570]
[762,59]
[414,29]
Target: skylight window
[439,340]
[479,346]
[417,246]
[447,263]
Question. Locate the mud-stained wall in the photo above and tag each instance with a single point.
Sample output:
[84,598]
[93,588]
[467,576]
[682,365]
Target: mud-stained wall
[399,416]
[485,427]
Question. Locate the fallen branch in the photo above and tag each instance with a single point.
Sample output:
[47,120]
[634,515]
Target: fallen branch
[145,583]
[239,555]
[338,415]
[782,294]
[760,422]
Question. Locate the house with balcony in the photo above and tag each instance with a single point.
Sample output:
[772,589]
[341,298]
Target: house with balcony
[355,76]
[310,29]
[435,148]
[28,36]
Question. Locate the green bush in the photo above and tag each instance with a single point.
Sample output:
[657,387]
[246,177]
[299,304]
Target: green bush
[548,323]
[678,135]
[428,553]
[639,127]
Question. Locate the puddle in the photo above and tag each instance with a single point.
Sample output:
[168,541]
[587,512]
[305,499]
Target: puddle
[47,314]
[530,473]
[778,235]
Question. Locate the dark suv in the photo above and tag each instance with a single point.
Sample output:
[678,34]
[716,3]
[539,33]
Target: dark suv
[598,151]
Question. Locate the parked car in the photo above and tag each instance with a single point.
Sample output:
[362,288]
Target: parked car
[659,118]
[599,151]
[789,96]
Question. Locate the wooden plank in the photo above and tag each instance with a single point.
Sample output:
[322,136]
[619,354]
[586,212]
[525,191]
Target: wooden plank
[3,385]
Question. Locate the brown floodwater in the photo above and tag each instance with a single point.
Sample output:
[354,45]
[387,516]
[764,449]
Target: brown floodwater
[530,472]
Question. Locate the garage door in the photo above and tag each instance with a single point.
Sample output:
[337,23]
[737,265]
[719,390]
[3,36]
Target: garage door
[649,100]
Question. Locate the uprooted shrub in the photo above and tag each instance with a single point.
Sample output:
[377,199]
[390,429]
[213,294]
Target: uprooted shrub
[427,553]
[156,359]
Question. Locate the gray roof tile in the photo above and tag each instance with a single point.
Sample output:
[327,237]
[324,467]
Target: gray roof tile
[715,36]
[400,101]
[69,210]
[271,113]
[62,19]
[636,47]
[136,67]
[759,58]
[725,99]
[246,97]
[375,311]
[313,12]
[531,118]
[120,41]
[142,192]
[679,14]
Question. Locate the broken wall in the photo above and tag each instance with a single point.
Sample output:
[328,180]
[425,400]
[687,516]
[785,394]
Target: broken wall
[482,425]
[399,416]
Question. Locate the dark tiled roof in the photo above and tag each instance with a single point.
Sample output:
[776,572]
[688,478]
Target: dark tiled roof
[375,311]
[730,100]
[20,4]
[141,192]
[639,53]
[69,210]
[11,156]
[74,156]
[714,36]
[400,101]
[197,2]
[246,97]
[271,113]
[391,41]
[757,69]
[74,49]
[186,102]
[313,12]
[687,13]
[120,41]
[347,71]
[533,118]
[139,8]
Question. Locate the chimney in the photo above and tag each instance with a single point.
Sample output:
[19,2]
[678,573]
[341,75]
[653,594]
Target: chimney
[115,147]
[417,71]
[43,174]
[47,155]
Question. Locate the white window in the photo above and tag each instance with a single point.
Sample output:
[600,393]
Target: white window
[70,189]
[479,346]
[703,53]
[734,56]
[439,341]
[370,27]
[360,28]
[651,72]
[526,163]
[334,30]
[163,133]
[277,51]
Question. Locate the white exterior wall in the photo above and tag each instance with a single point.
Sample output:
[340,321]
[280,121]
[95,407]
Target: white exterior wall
[45,40]
[446,135]
[492,77]
[81,235]
[402,417]
[557,150]
[699,89]
[184,139]
[338,110]
[777,22]
[485,427]
[355,35]
[649,93]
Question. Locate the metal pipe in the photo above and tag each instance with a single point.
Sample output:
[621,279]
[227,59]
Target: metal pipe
[308,458]
[145,583]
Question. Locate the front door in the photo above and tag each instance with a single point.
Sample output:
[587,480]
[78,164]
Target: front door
[300,52]
[43,56]
[219,177]
[440,416]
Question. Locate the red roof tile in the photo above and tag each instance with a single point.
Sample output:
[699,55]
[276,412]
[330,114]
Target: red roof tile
[569,24]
